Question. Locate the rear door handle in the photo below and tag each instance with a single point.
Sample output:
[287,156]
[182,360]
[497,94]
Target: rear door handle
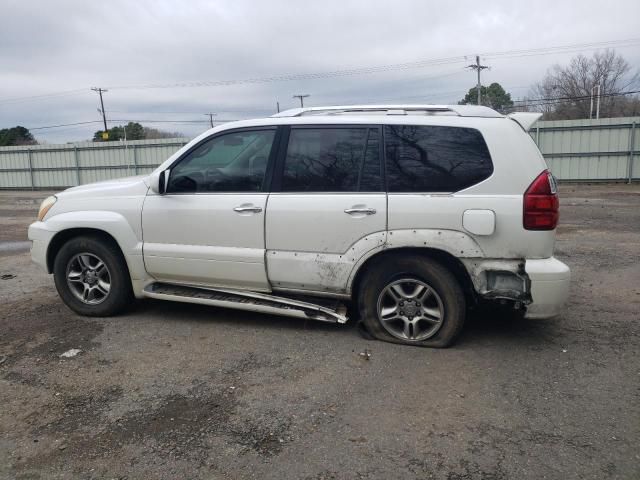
[247,209]
[362,211]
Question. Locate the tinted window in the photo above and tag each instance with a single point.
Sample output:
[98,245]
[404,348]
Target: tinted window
[332,160]
[233,162]
[435,159]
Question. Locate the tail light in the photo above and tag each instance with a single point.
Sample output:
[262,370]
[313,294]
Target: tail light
[541,205]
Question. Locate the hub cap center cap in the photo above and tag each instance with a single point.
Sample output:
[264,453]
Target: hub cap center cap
[410,308]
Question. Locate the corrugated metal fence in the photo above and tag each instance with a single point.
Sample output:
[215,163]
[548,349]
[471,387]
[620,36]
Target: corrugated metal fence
[51,166]
[580,150]
[591,150]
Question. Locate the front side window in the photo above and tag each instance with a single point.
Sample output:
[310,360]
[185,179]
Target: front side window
[332,160]
[434,158]
[232,162]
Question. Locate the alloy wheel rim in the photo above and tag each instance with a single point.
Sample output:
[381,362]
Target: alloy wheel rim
[410,309]
[88,278]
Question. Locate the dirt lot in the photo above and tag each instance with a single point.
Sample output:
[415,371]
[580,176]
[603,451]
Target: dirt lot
[179,391]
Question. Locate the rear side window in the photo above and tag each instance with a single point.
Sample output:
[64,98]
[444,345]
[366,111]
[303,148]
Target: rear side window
[332,160]
[434,158]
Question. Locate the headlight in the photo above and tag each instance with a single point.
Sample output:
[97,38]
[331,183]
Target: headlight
[46,204]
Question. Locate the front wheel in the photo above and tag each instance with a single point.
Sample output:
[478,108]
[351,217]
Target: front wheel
[91,277]
[413,301]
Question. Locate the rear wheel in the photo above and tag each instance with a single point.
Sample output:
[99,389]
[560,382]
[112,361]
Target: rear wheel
[412,300]
[91,277]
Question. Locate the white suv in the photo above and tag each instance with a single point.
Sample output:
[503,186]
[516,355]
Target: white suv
[412,214]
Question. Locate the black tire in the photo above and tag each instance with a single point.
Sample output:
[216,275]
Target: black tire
[394,269]
[120,292]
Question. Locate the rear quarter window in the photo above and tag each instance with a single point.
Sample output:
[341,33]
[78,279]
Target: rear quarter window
[434,158]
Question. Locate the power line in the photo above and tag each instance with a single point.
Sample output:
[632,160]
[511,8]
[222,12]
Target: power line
[57,131]
[563,48]
[64,125]
[88,122]
[172,121]
[533,101]
[388,67]
[572,48]
[575,98]
[65,93]
[225,110]
[526,104]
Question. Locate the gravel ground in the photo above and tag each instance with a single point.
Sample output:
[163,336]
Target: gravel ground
[181,391]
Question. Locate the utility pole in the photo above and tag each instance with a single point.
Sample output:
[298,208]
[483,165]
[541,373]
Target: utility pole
[595,87]
[478,68]
[104,115]
[126,150]
[301,97]
[278,107]
[210,115]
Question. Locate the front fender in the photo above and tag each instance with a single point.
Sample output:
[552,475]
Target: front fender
[112,223]
[43,235]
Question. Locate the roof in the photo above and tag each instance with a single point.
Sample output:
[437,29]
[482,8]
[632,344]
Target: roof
[459,110]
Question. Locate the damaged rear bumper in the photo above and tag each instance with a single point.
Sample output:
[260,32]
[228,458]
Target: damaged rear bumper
[542,285]
[550,279]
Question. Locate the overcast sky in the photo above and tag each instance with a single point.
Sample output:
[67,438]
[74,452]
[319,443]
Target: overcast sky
[65,47]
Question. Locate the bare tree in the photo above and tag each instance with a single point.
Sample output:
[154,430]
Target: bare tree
[566,90]
[154,133]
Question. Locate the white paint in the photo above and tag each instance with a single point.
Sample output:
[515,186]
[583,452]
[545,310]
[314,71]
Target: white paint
[525,119]
[309,242]
[479,222]
[199,238]
[312,244]
[550,282]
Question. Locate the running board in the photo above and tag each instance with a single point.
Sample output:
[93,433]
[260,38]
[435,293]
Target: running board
[241,300]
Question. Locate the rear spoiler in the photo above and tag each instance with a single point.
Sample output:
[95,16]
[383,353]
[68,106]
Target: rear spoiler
[525,119]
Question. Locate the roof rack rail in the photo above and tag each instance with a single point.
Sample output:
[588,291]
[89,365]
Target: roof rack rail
[460,110]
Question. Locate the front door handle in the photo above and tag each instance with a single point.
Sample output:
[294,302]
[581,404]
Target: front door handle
[361,211]
[247,209]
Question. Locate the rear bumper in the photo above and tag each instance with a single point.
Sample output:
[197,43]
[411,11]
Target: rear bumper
[550,279]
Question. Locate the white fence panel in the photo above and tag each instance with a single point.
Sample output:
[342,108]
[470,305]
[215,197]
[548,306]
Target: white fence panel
[590,150]
[58,166]
[580,150]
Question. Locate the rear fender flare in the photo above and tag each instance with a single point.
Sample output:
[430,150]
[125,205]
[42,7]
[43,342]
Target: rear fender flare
[456,243]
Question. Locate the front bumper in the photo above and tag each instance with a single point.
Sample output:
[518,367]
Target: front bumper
[40,238]
[550,279]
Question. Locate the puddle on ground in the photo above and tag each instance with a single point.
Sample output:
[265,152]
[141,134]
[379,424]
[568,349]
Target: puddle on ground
[23,246]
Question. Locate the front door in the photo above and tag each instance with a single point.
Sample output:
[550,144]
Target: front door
[327,208]
[208,228]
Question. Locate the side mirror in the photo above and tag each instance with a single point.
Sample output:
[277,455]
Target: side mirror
[159,181]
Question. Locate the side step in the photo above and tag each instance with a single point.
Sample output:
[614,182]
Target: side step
[241,300]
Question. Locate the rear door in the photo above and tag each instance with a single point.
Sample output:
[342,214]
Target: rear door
[327,205]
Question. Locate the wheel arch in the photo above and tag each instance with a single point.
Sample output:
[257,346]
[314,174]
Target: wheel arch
[446,259]
[64,236]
